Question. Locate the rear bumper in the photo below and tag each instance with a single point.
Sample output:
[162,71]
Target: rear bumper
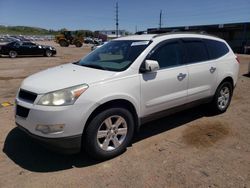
[64,145]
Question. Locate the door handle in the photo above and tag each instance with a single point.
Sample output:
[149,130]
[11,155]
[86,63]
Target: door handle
[181,76]
[212,69]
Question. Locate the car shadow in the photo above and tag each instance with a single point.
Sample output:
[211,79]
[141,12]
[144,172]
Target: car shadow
[246,75]
[31,156]
[172,121]
[25,56]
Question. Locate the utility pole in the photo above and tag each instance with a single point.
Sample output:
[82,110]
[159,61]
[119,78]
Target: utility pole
[160,22]
[116,19]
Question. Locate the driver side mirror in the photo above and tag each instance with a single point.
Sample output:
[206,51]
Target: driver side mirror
[151,66]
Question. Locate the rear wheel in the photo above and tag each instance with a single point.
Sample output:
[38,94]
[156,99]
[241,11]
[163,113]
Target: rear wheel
[109,133]
[222,97]
[78,44]
[13,54]
[63,43]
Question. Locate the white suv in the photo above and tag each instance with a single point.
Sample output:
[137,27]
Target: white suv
[101,100]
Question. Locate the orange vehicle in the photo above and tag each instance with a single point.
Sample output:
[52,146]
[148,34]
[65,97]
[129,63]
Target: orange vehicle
[67,38]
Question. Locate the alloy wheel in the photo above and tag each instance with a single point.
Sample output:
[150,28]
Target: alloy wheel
[48,53]
[112,133]
[223,98]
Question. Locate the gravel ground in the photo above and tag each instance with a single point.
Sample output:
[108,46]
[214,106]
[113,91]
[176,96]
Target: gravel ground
[188,149]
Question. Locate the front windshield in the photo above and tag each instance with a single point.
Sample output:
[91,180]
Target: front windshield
[115,55]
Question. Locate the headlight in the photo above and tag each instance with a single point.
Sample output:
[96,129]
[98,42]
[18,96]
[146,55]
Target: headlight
[63,97]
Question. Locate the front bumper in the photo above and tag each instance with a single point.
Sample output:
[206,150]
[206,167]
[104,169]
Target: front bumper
[72,117]
[65,145]
[54,52]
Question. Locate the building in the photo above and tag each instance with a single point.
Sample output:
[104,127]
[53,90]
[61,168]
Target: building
[112,33]
[236,34]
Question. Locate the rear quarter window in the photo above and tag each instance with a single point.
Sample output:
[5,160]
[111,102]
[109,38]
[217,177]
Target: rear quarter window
[216,49]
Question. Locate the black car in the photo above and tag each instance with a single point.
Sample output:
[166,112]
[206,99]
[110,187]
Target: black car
[13,49]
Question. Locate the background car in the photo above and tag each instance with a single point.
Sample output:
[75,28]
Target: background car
[13,49]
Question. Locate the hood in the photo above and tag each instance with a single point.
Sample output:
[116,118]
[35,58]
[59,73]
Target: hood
[64,76]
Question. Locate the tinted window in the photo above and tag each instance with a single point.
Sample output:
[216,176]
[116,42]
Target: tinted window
[196,51]
[17,44]
[215,48]
[29,44]
[167,55]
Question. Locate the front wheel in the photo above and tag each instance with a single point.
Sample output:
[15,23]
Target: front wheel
[63,43]
[109,133]
[222,97]
[48,53]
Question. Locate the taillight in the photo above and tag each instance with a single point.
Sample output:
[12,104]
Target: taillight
[237,59]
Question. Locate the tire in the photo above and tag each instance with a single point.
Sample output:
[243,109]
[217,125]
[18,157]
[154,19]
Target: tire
[63,43]
[111,141]
[48,53]
[12,54]
[222,98]
[78,44]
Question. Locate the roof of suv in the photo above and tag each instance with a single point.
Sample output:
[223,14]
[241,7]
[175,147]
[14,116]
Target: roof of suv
[166,35]
[137,37]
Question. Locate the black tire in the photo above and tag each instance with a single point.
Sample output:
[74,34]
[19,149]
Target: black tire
[48,53]
[92,144]
[12,54]
[63,43]
[217,103]
[78,44]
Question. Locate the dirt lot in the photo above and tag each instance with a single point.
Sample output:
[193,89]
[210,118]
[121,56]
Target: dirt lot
[188,149]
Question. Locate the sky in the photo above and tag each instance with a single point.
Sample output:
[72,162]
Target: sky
[140,14]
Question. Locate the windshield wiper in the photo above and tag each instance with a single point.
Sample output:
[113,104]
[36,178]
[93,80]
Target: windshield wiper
[94,66]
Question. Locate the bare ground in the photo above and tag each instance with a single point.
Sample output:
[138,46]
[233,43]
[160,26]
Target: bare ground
[188,149]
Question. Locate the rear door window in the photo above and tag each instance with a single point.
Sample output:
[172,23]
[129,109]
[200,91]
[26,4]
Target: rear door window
[195,51]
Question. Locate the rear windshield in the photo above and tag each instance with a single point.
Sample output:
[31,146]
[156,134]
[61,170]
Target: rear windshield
[115,55]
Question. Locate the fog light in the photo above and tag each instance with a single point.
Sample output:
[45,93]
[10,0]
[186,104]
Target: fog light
[47,129]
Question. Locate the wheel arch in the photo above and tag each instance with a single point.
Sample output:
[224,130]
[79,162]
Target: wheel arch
[122,103]
[227,79]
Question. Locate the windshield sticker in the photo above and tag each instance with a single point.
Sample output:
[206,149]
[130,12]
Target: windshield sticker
[140,43]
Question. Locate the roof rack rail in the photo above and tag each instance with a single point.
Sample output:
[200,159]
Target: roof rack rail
[184,32]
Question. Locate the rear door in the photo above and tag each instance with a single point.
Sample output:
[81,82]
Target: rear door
[202,71]
[167,87]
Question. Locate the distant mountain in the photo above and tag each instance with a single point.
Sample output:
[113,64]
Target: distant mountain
[25,30]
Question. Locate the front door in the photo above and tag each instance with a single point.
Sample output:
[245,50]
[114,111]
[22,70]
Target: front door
[167,87]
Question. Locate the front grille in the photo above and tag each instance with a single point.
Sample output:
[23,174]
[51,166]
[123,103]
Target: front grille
[27,96]
[22,111]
